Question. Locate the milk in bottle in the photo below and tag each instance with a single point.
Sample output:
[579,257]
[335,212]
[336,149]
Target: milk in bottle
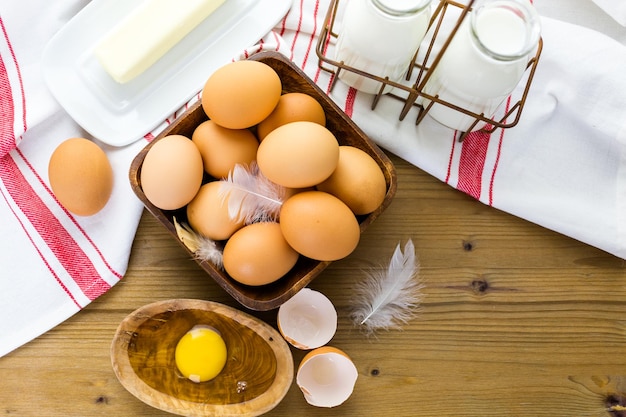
[484,62]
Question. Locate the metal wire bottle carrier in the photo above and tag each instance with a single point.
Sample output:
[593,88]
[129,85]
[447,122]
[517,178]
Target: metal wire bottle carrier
[424,63]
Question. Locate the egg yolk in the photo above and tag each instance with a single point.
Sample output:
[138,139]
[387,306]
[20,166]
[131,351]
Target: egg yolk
[201,354]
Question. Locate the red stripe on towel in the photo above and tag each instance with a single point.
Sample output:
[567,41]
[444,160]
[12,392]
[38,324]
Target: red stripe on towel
[497,162]
[277,39]
[7,110]
[472,162]
[316,78]
[350,99]
[283,24]
[54,274]
[451,157]
[313,36]
[5,91]
[298,29]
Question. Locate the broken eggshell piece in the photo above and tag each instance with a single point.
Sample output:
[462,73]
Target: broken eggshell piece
[307,320]
[326,376]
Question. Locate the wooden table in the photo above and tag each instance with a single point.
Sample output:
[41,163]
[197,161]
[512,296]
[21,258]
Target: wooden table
[516,321]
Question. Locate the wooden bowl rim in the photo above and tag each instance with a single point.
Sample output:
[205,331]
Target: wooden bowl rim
[270,300]
[137,387]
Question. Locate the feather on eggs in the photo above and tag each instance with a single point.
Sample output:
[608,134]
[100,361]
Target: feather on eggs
[251,196]
[203,248]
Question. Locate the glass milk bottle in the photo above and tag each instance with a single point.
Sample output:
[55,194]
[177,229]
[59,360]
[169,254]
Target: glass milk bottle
[484,62]
[380,37]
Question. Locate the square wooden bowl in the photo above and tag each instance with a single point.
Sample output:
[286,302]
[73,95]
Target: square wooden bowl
[293,79]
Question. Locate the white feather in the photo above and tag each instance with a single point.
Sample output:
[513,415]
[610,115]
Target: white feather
[251,196]
[389,298]
[203,248]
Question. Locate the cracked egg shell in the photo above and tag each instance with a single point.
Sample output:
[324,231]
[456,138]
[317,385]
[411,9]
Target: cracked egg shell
[307,320]
[326,376]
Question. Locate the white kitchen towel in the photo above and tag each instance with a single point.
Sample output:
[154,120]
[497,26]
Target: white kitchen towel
[614,8]
[562,167]
[52,263]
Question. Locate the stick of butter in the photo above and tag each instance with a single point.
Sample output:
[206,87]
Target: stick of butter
[148,33]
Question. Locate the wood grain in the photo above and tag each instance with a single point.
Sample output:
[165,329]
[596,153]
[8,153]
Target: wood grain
[516,321]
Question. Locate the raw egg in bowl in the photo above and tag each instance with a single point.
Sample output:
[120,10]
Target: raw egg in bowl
[155,350]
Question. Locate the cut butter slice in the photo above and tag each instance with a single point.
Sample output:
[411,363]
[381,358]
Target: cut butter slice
[148,33]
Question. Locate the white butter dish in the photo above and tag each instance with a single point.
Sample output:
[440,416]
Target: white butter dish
[119,114]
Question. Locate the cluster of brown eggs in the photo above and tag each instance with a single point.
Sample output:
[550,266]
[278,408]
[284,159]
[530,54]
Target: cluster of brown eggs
[252,122]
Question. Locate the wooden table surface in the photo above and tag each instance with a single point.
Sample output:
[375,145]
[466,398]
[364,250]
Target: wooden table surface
[516,321]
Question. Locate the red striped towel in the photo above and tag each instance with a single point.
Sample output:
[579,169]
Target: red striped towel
[53,263]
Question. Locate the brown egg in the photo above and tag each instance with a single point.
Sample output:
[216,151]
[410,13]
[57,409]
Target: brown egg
[80,176]
[292,107]
[358,181]
[223,148]
[258,254]
[319,225]
[171,173]
[298,154]
[208,214]
[241,94]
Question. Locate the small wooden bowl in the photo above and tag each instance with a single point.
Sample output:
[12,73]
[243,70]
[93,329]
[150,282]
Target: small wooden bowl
[293,79]
[257,375]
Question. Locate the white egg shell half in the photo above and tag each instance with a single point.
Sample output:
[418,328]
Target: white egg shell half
[307,320]
[326,376]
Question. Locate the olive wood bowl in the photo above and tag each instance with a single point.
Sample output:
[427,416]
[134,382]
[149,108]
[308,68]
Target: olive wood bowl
[293,79]
[257,375]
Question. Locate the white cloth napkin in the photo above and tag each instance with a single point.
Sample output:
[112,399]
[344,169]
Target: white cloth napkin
[562,167]
[614,8]
[52,263]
